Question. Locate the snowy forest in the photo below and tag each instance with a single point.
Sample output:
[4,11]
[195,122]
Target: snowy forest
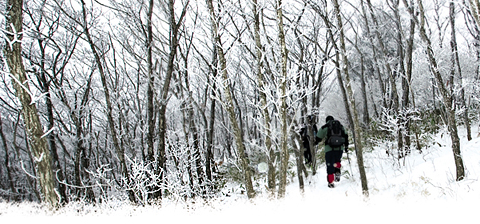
[155,100]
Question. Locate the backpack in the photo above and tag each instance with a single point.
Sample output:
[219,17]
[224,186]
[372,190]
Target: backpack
[334,134]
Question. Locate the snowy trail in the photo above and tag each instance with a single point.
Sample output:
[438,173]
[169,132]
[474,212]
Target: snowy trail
[423,190]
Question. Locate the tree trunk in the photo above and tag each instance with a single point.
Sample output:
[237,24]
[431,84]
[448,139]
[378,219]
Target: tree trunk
[193,129]
[229,105]
[263,101]
[456,63]
[472,11]
[62,188]
[155,191]
[162,120]
[284,155]
[313,148]
[39,146]
[446,97]
[196,148]
[298,148]
[338,71]
[357,129]
[11,183]
[150,87]
[406,83]
[308,120]
[111,123]
[475,9]
[366,114]
[363,88]
[211,125]
[79,149]
[187,122]
[403,141]
[45,86]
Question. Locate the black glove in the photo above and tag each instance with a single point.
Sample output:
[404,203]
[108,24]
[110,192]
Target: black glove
[346,148]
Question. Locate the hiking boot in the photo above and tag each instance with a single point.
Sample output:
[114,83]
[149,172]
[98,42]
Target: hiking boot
[337,176]
[331,185]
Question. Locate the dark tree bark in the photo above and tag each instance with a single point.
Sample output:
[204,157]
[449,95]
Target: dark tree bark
[155,191]
[174,26]
[38,143]
[11,183]
[456,64]
[406,80]
[211,124]
[366,114]
[150,87]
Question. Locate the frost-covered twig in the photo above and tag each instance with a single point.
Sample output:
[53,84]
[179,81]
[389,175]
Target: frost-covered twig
[16,36]
[33,97]
[47,132]
[24,170]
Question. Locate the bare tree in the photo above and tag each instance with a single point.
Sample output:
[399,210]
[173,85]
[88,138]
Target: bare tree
[263,98]
[407,83]
[189,106]
[83,22]
[150,88]
[229,104]
[39,147]
[174,26]
[374,51]
[446,95]
[473,25]
[284,154]
[351,99]
[44,25]
[456,64]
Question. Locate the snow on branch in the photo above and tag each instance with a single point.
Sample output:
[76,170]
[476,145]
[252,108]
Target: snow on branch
[26,172]
[34,97]
[16,36]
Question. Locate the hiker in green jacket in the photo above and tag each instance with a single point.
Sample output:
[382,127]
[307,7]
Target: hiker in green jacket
[336,141]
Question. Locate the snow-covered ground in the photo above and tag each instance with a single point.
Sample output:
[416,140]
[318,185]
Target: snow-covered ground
[422,189]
